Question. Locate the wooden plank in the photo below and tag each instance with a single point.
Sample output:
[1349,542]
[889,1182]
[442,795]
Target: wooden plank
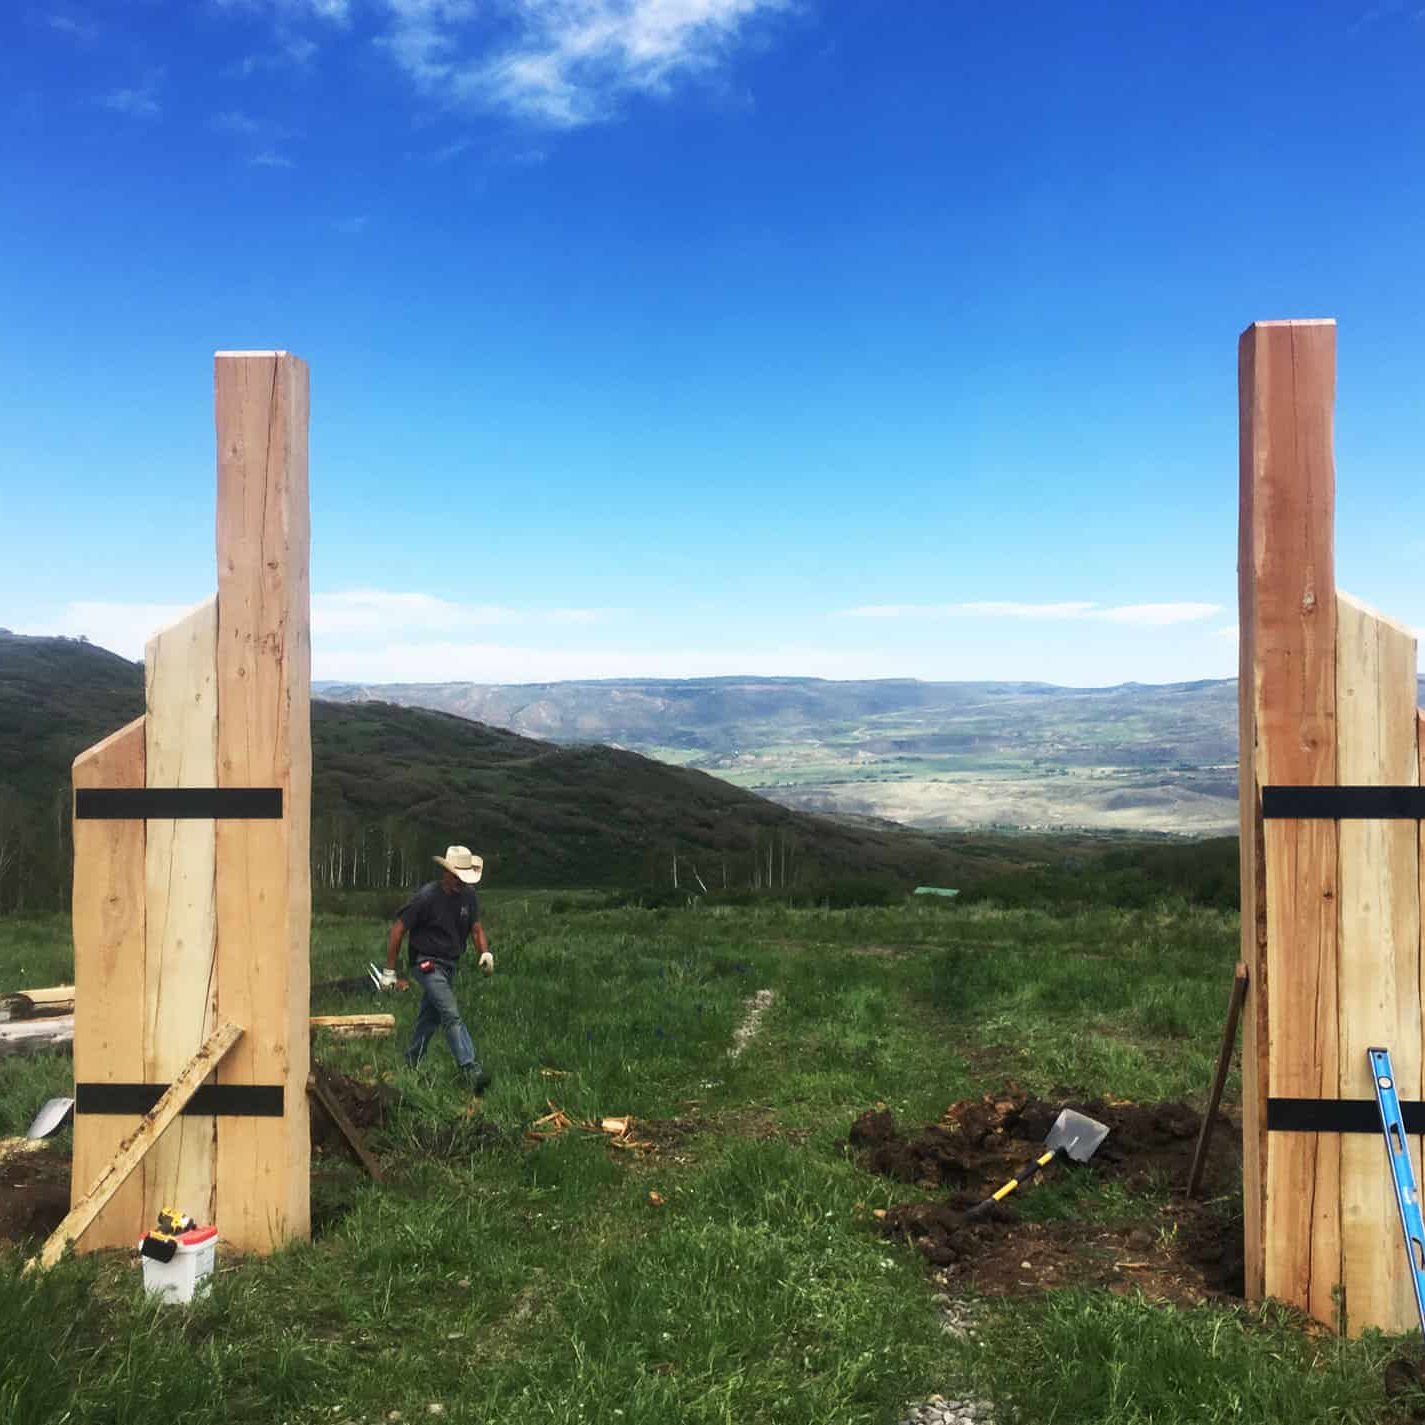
[1287,378]
[180,971]
[134,1146]
[264,740]
[36,1036]
[108,918]
[34,1004]
[1379,949]
[356,1026]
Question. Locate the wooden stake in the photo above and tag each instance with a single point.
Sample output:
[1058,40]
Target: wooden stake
[1219,1079]
[264,740]
[132,1149]
[1287,691]
[108,913]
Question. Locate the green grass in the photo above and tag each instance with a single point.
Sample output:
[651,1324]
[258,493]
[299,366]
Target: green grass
[519,1283]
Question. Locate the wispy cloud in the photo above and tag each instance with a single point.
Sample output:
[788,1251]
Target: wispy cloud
[290,11]
[234,121]
[268,158]
[1148,615]
[138,103]
[292,52]
[351,226]
[564,63]
[387,613]
[350,618]
[69,23]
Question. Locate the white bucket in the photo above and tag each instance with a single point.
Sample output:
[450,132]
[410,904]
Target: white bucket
[188,1272]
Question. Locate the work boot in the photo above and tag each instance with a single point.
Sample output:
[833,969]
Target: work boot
[478,1079]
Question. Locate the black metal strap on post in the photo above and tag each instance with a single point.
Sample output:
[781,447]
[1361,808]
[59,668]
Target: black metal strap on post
[1343,804]
[178,803]
[224,1100]
[1337,1115]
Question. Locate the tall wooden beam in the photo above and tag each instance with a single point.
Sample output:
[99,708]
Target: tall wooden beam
[1287,379]
[109,929]
[180,979]
[264,740]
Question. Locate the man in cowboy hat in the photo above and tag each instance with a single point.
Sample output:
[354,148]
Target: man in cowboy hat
[439,919]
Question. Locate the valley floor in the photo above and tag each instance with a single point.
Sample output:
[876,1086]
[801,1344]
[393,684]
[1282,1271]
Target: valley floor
[737,1257]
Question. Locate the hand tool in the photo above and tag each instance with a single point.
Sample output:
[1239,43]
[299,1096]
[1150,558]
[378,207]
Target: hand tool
[1075,1135]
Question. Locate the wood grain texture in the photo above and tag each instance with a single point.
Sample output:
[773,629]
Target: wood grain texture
[133,1148]
[108,919]
[1286,573]
[180,971]
[264,740]
[1379,949]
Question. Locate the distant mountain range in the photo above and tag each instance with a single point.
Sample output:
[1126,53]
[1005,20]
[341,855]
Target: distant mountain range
[942,755]
[393,785]
[1136,757]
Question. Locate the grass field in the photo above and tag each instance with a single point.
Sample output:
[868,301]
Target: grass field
[510,1281]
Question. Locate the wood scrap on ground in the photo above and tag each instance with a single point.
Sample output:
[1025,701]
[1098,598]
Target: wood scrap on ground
[356,1026]
[31,1036]
[616,1128]
[39,1004]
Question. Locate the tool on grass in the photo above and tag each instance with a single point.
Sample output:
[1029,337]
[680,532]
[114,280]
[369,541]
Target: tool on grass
[1397,1151]
[51,1118]
[1074,1135]
[161,1243]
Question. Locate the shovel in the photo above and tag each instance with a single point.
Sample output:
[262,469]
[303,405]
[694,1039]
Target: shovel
[51,1118]
[1075,1135]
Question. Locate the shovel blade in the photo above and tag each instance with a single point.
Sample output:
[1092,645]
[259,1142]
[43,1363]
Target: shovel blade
[1076,1135]
[51,1118]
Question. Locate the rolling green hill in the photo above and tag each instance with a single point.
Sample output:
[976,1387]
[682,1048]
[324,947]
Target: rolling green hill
[393,785]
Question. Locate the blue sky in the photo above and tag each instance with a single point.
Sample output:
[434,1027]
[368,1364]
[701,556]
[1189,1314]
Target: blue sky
[684,337]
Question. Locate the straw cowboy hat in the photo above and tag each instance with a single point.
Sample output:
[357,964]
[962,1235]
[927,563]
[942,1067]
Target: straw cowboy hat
[459,861]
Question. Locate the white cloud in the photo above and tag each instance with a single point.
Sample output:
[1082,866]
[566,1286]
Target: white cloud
[351,226]
[567,62]
[489,662]
[269,158]
[1146,615]
[68,24]
[121,628]
[348,617]
[136,103]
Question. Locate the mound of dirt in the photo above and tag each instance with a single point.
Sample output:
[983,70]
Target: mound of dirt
[979,1143]
[34,1195]
[1185,1251]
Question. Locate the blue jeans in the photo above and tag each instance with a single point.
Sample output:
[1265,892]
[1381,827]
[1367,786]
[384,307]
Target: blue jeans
[439,1011]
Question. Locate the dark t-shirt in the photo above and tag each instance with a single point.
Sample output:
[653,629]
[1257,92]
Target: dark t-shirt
[439,925]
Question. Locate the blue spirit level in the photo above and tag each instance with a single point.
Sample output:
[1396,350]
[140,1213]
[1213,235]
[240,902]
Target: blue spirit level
[1397,1148]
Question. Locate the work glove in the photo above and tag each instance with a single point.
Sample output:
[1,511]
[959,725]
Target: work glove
[487,963]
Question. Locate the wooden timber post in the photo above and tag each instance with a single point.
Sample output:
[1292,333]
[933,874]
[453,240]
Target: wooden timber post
[1332,873]
[192,897]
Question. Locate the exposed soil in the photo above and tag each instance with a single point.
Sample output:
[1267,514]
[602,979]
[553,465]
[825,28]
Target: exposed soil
[365,1104]
[34,1194]
[1183,1251]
